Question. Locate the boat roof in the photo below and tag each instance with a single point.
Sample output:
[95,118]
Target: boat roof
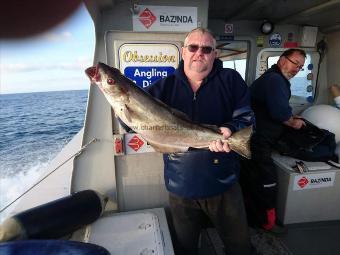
[321,13]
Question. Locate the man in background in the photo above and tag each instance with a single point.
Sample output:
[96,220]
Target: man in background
[270,96]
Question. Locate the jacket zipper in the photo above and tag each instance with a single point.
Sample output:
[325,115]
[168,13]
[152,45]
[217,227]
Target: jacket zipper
[193,113]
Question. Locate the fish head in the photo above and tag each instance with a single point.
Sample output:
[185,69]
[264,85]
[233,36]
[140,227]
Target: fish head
[109,79]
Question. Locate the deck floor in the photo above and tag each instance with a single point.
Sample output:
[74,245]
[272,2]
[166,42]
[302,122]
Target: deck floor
[301,239]
[313,238]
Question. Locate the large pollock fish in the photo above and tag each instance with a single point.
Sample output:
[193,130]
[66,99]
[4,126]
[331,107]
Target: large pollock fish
[166,130]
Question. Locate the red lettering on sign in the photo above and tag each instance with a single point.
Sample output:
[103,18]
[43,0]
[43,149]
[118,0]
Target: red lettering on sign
[303,182]
[135,143]
[147,18]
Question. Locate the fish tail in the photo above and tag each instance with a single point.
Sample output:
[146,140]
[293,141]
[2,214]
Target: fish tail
[240,142]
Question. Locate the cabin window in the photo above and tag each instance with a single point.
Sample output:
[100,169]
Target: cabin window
[234,55]
[301,86]
[239,65]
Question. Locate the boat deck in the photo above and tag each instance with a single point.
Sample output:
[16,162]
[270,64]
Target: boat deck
[313,238]
[301,239]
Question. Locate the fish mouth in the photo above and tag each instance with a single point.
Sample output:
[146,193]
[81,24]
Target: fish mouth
[93,73]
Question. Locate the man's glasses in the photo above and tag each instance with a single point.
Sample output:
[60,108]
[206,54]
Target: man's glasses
[296,64]
[195,47]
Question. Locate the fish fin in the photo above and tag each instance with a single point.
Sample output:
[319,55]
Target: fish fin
[185,117]
[167,148]
[127,113]
[212,127]
[123,112]
[179,114]
[240,141]
[174,111]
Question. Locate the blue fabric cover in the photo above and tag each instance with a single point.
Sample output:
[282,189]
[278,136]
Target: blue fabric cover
[51,247]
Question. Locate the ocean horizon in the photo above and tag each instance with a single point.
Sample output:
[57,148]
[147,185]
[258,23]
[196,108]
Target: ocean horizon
[48,91]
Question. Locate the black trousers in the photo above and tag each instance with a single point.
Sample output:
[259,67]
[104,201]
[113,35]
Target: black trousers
[226,212]
[259,180]
[263,165]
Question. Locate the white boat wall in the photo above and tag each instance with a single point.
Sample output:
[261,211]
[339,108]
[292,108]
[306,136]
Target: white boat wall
[133,179]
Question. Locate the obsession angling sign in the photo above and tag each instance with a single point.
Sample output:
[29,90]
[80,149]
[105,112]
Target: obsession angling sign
[145,63]
[164,18]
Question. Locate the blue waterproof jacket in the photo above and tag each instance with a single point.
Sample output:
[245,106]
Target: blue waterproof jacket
[222,100]
[270,96]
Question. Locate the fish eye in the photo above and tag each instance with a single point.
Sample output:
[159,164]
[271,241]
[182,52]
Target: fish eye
[110,81]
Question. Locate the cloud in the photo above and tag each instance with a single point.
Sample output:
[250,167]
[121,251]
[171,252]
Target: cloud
[74,64]
[17,67]
[57,37]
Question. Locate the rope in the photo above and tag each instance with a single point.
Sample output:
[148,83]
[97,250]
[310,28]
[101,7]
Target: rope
[74,155]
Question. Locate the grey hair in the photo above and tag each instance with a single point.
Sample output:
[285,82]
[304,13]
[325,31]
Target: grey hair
[202,31]
[290,52]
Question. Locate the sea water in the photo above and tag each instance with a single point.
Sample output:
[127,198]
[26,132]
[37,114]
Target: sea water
[34,127]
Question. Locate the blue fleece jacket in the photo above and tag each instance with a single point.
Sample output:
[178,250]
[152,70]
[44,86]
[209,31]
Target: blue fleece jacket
[270,96]
[222,100]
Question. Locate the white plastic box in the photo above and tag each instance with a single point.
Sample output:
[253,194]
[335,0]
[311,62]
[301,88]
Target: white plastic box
[308,197]
[143,232]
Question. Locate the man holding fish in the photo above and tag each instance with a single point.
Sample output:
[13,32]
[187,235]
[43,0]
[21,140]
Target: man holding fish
[181,120]
[203,184]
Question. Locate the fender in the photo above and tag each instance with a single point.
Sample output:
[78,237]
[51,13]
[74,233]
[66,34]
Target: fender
[56,218]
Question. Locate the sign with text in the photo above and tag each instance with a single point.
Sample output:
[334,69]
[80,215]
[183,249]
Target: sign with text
[313,181]
[145,63]
[145,76]
[164,18]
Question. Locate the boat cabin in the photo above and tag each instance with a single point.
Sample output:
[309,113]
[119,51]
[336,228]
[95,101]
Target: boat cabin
[143,39]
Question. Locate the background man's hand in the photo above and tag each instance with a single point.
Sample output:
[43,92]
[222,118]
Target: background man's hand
[218,146]
[295,122]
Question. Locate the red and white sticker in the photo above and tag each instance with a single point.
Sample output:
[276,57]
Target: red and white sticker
[164,18]
[147,18]
[228,28]
[134,143]
[314,181]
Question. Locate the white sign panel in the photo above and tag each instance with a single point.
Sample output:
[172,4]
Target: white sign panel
[164,18]
[145,63]
[313,181]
